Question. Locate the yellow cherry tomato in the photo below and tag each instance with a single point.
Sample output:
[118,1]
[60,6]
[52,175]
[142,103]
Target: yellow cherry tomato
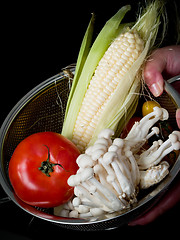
[148,107]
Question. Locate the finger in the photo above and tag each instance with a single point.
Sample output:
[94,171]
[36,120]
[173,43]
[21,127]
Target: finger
[153,72]
[163,60]
[178,117]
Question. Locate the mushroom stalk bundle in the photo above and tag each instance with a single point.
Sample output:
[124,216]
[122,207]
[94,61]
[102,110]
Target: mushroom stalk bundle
[111,172]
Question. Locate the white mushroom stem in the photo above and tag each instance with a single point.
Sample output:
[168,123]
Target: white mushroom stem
[134,171]
[154,157]
[122,162]
[82,201]
[108,168]
[125,167]
[88,203]
[111,179]
[101,174]
[114,203]
[78,179]
[150,119]
[154,130]
[140,158]
[105,195]
[139,132]
[126,186]
[90,197]
[99,197]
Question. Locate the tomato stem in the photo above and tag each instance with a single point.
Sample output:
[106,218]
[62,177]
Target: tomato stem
[47,166]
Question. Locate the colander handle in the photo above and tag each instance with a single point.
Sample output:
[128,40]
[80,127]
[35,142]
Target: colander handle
[174,94]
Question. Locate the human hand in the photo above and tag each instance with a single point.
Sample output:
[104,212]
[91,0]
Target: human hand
[163,63]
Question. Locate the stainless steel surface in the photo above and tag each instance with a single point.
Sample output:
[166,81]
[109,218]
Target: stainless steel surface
[174,79]
[171,91]
[42,109]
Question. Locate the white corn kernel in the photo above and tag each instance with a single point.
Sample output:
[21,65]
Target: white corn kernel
[116,61]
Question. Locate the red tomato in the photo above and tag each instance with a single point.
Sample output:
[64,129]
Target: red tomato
[39,169]
[129,125]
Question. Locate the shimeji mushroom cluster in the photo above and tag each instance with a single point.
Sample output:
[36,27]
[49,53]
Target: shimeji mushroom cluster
[111,172]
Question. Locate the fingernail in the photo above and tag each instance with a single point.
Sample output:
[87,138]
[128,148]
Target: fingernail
[156,89]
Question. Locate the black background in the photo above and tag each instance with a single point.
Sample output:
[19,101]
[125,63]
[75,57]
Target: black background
[38,39]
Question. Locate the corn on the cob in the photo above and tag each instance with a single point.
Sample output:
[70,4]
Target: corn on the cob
[111,82]
[117,60]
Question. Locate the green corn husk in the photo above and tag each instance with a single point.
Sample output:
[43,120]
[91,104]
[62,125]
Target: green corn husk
[111,29]
[83,53]
[119,108]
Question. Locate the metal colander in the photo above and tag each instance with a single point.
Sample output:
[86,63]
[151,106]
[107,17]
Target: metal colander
[42,109]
